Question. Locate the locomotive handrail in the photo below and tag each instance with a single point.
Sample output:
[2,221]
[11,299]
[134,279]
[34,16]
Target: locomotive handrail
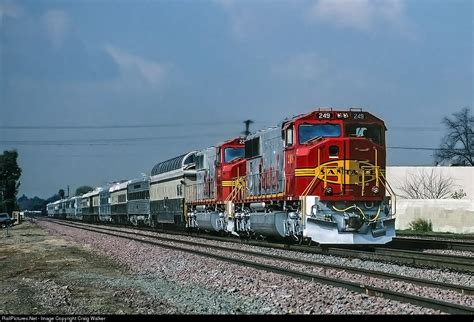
[391,193]
[239,185]
[368,167]
[384,182]
[200,191]
[326,175]
[308,188]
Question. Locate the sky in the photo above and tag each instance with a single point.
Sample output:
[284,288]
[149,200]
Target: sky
[94,91]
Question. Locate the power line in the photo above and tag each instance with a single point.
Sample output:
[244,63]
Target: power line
[415,128]
[167,125]
[109,126]
[113,141]
[133,141]
[421,148]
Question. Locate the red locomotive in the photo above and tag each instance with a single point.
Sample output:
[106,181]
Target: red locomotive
[318,176]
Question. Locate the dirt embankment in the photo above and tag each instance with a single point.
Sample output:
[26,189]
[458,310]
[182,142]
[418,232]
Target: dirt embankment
[43,274]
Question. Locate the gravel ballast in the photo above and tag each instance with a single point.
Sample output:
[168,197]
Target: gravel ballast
[202,285]
[440,275]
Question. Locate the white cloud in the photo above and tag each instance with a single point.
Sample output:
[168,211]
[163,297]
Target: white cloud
[57,24]
[358,14]
[306,66]
[135,67]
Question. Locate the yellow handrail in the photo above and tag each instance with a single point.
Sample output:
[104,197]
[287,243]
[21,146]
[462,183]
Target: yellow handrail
[391,192]
[376,169]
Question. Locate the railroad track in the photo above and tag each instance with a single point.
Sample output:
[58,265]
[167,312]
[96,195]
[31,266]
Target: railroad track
[378,253]
[408,257]
[353,286]
[447,236]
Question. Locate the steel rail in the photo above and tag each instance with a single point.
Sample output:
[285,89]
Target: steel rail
[409,257]
[447,236]
[431,243]
[357,287]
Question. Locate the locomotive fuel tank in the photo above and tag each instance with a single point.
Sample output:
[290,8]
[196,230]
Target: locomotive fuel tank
[279,224]
[269,224]
[211,221]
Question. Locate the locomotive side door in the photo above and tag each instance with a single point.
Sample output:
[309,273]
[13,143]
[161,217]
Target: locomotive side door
[218,162]
[288,134]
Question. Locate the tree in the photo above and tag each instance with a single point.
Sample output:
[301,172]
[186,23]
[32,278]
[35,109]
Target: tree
[458,145]
[10,174]
[427,185]
[61,193]
[83,189]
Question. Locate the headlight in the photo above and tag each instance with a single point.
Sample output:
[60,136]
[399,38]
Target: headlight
[375,189]
[328,191]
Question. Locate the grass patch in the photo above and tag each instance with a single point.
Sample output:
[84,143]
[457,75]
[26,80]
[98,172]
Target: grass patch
[421,225]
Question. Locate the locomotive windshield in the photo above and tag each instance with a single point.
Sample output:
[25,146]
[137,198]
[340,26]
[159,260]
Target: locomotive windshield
[372,132]
[307,132]
[230,154]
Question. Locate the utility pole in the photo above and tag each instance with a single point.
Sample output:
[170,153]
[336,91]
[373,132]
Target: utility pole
[247,127]
[68,191]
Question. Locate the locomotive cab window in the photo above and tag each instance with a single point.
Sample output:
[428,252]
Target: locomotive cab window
[289,136]
[309,132]
[373,132]
[231,154]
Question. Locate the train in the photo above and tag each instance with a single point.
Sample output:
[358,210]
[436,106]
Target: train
[316,177]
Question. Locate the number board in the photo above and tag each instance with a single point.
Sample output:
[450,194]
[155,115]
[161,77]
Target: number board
[324,115]
[357,116]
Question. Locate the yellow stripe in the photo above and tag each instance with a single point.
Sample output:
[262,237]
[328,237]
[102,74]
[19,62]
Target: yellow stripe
[305,172]
[228,183]
[345,171]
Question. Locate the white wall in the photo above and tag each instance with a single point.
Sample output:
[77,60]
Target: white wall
[446,215]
